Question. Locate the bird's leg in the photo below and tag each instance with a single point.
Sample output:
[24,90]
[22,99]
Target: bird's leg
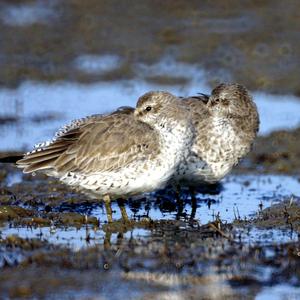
[178,201]
[194,203]
[108,209]
[177,189]
[123,210]
[107,243]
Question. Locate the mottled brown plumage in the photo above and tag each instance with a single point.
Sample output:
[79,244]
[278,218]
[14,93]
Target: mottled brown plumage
[120,154]
[99,143]
[190,141]
[226,125]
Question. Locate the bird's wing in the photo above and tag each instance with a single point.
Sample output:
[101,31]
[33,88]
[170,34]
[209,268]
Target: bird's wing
[199,97]
[95,144]
[202,97]
[198,107]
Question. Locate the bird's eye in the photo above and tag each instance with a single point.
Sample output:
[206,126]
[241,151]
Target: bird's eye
[148,108]
[217,100]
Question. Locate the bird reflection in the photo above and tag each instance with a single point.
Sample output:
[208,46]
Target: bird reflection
[166,201]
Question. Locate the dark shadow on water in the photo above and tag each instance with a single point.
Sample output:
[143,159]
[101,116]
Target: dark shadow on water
[210,189]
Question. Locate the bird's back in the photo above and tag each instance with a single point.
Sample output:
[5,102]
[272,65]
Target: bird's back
[97,143]
[221,140]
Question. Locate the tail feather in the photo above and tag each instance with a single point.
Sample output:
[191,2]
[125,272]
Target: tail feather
[41,165]
[36,159]
[44,153]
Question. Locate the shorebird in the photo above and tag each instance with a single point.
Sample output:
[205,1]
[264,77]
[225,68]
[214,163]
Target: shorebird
[125,153]
[189,142]
[226,124]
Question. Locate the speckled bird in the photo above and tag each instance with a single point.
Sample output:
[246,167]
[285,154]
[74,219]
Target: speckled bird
[125,153]
[165,140]
[226,124]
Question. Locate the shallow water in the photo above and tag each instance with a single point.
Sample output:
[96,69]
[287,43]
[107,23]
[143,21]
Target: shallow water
[279,292]
[32,112]
[69,236]
[86,236]
[241,197]
[42,12]
[266,236]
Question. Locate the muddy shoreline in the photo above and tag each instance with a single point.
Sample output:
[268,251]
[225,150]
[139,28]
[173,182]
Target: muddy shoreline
[145,256]
[255,44]
[238,240]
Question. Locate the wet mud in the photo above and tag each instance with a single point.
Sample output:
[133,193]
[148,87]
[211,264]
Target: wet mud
[254,43]
[235,240]
[277,153]
[57,243]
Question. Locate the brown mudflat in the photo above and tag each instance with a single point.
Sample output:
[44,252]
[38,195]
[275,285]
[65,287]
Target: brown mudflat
[253,43]
[180,248]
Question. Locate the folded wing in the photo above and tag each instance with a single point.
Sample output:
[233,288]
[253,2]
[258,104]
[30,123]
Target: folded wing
[95,144]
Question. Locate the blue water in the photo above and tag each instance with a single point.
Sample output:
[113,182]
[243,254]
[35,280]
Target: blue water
[241,197]
[42,108]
